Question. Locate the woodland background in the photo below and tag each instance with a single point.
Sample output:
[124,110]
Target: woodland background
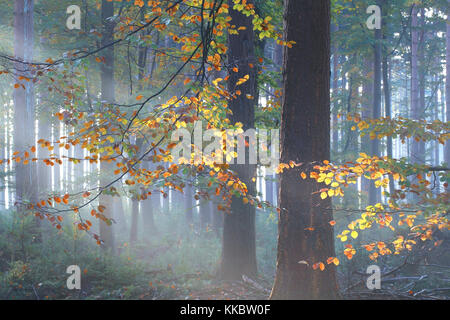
[86,177]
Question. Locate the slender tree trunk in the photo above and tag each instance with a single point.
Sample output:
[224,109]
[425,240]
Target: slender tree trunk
[56,169]
[24,104]
[238,246]
[388,108]
[335,120]
[415,97]
[269,180]
[205,215]
[305,138]
[142,54]
[366,114]
[447,82]
[217,217]
[3,164]
[148,208]
[374,193]
[45,132]
[188,205]
[107,91]
[421,153]
[134,219]
[437,108]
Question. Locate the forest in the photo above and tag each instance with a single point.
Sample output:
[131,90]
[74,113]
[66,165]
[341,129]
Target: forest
[224,149]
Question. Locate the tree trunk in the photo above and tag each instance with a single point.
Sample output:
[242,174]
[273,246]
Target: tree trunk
[366,114]
[134,219]
[388,108]
[45,132]
[56,169]
[374,193]
[269,181]
[415,98]
[188,205]
[107,91]
[24,104]
[447,82]
[305,138]
[420,152]
[216,216]
[238,246]
[205,215]
[148,208]
[335,121]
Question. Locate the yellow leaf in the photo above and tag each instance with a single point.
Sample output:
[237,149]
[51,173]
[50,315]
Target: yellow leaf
[336,261]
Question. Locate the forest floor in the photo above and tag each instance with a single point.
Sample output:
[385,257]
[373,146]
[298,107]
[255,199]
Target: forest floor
[237,290]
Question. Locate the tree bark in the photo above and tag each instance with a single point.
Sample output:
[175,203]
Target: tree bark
[366,114]
[305,138]
[387,105]
[447,82]
[375,193]
[24,104]
[238,246]
[107,92]
[134,219]
[269,181]
[335,120]
[216,216]
[205,215]
[415,96]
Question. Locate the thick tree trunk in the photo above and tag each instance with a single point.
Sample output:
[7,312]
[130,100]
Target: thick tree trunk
[305,138]
[238,247]
[107,91]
